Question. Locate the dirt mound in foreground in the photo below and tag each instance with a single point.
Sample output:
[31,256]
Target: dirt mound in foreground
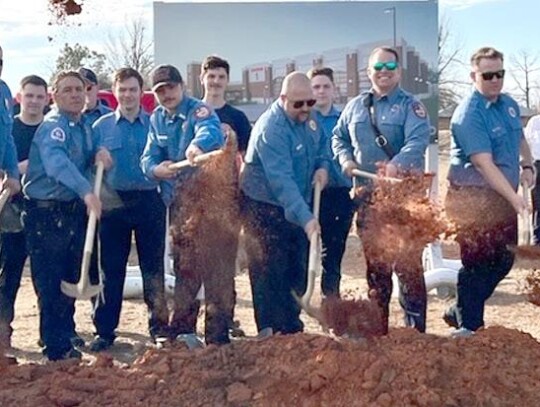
[496,367]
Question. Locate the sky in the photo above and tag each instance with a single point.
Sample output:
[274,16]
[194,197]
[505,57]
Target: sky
[31,44]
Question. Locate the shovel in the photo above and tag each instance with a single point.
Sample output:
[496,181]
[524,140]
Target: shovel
[370,175]
[84,289]
[314,250]
[197,160]
[526,232]
[4,197]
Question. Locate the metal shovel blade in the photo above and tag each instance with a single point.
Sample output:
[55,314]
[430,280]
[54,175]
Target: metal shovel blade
[80,291]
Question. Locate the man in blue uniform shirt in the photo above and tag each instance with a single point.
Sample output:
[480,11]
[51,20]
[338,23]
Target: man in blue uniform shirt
[286,154]
[183,128]
[93,107]
[8,153]
[487,141]
[336,205]
[121,137]
[33,98]
[386,128]
[58,197]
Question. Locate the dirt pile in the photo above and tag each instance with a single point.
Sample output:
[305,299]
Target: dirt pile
[356,318]
[532,287]
[496,367]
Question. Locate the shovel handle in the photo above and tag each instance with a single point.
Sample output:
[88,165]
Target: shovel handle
[197,160]
[91,228]
[370,175]
[526,216]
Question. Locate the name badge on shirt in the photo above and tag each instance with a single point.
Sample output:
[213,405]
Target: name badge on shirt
[162,138]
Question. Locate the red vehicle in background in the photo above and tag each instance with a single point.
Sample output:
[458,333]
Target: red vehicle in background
[148,101]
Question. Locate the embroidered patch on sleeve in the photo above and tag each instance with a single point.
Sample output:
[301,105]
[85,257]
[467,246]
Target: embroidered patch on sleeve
[58,134]
[419,110]
[202,112]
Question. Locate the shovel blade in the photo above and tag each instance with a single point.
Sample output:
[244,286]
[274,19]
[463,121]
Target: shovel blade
[79,291]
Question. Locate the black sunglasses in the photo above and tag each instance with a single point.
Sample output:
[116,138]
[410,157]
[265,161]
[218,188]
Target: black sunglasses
[488,76]
[1,62]
[300,103]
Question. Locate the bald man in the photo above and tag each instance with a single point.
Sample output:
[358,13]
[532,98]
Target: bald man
[286,154]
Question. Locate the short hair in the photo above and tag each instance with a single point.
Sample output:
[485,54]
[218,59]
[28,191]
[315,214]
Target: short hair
[321,71]
[123,74]
[215,62]
[33,80]
[66,74]
[487,53]
[390,50]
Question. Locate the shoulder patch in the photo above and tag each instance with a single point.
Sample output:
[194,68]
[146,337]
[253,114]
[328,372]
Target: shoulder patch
[512,112]
[58,134]
[202,112]
[313,125]
[419,110]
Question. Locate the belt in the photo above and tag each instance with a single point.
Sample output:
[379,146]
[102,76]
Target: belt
[52,204]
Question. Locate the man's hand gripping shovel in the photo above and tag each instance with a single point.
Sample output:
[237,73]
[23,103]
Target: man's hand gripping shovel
[84,289]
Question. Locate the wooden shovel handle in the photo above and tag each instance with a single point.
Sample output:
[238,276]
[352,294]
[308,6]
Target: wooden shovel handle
[197,160]
[370,175]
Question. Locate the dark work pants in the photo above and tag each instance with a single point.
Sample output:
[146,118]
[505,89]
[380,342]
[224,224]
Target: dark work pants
[335,218]
[55,234]
[143,213]
[277,262]
[412,286]
[212,265]
[536,205]
[13,254]
[484,254]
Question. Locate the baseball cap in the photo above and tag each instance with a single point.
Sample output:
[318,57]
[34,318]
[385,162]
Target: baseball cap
[163,75]
[88,75]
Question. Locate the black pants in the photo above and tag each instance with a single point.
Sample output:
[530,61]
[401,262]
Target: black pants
[55,234]
[536,204]
[484,254]
[13,254]
[412,286]
[277,262]
[143,214]
[335,218]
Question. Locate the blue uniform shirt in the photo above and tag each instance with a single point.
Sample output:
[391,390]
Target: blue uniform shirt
[60,158]
[169,137]
[481,126]
[8,152]
[92,115]
[281,158]
[125,142]
[400,117]
[328,122]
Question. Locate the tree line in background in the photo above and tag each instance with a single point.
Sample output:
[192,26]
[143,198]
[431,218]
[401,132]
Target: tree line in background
[133,48]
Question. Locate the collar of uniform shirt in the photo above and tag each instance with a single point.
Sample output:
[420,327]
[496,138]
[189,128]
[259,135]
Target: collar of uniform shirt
[118,115]
[391,97]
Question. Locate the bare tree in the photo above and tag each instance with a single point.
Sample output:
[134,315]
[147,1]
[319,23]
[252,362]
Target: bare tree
[450,61]
[523,68]
[131,49]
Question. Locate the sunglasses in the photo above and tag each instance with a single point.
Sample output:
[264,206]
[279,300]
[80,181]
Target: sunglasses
[1,62]
[89,88]
[488,76]
[300,103]
[391,66]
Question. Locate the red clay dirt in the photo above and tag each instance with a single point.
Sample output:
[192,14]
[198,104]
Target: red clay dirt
[61,9]
[496,367]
